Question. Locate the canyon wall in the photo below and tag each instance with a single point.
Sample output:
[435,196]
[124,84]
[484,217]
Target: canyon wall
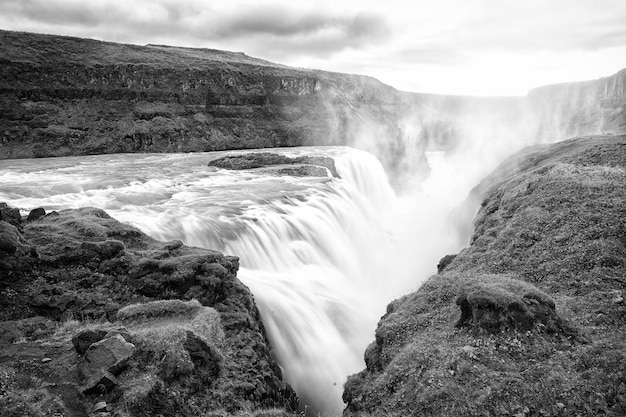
[62,96]
[581,108]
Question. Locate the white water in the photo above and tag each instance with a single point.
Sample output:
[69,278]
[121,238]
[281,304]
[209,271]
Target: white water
[322,257]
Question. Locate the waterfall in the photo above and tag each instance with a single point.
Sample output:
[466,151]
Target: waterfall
[316,267]
[315,262]
[322,256]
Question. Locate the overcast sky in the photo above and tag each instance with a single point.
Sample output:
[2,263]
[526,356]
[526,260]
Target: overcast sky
[482,47]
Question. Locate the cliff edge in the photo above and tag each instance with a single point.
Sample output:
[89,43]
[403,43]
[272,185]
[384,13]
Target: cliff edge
[98,319]
[529,320]
[63,96]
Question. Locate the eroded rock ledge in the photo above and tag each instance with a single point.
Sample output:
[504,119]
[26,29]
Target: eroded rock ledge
[314,166]
[95,311]
[530,319]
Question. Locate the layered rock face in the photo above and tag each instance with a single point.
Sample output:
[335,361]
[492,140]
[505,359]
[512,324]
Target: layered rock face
[581,108]
[63,96]
[530,319]
[93,310]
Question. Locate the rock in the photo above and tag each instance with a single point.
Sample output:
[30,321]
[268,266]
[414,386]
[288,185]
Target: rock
[122,332]
[499,302]
[108,354]
[172,245]
[36,214]
[206,359]
[445,261]
[92,251]
[11,240]
[83,286]
[310,166]
[85,338]
[100,383]
[46,360]
[11,216]
[250,161]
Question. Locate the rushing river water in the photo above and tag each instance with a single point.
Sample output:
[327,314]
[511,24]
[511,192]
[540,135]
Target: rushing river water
[322,256]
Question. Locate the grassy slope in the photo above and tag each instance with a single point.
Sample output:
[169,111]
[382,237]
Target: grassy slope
[552,222]
[47,49]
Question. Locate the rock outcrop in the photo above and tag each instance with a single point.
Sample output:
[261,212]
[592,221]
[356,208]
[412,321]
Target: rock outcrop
[319,166]
[529,320]
[144,325]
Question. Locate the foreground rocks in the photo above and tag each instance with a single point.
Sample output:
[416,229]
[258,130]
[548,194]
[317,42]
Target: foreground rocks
[93,310]
[530,319]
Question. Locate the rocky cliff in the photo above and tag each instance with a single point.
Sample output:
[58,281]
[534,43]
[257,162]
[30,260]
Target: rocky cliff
[64,96]
[581,108]
[530,319]
[98,319]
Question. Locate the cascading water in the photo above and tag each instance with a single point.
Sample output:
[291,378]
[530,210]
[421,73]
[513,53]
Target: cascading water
[322,256]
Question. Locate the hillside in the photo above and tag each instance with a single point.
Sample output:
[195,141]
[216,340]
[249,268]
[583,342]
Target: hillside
[529,320]
[64,96]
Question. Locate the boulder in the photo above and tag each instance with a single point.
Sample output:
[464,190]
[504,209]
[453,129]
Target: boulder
[107,355]
[85,338]
[100,383]
[36,214]
[11,240]
[11,215]
[496,303]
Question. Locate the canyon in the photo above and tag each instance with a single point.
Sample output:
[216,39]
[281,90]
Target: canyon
[237,275]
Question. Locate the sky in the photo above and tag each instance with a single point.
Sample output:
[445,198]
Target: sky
[474,47]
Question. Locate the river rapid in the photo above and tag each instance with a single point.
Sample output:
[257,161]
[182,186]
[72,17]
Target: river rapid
[322,256]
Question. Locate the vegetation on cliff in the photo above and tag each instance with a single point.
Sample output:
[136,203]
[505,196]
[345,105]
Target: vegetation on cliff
[95,311]
[529,320]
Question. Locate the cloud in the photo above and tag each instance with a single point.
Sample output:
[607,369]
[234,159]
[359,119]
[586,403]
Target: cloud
[537,26]
[282,27]
[399,40]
